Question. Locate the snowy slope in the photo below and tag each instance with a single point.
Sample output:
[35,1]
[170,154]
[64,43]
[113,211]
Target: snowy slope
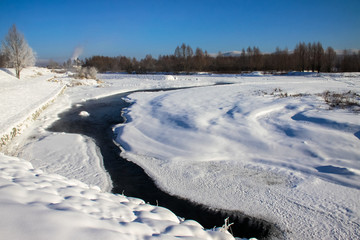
[246,147]
[23,99]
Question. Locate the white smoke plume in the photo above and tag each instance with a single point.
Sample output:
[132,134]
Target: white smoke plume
[77,52]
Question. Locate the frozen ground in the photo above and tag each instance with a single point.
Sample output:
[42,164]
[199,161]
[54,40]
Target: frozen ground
[242,146]
[41,196]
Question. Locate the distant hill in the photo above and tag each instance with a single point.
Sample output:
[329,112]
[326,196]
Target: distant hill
[232,54]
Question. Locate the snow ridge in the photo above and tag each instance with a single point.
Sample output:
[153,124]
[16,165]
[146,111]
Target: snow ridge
[63,209]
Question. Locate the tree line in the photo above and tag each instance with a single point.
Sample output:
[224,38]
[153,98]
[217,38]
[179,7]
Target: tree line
[15,52]
[305,57]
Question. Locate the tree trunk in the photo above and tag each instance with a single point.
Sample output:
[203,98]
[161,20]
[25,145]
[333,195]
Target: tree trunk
[17,73]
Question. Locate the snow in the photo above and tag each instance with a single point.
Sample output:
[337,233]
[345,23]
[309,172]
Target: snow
[56,186]
[60,150]
[37,205]
[84,114]
[246,147]
[23,98]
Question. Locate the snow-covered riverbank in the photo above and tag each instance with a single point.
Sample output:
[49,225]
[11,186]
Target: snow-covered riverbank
[24,99]
[41,199]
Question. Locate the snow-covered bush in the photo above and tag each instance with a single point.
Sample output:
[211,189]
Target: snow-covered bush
[86,72]
[342,100]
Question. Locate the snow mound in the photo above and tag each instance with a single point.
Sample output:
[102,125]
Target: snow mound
[169,77]
[256,74]
[84,114]
[51,206]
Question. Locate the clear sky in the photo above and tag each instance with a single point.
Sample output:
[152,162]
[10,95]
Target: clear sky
[54,28]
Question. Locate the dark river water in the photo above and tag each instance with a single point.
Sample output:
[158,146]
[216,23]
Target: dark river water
[130,179]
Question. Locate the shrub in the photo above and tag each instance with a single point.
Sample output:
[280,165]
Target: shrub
[342,100]
[86,72]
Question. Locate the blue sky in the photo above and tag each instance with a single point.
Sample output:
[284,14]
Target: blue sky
[136,28]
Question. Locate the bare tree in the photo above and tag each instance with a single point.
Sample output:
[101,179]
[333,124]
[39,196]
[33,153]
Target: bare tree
[147,64]
[177,52]
[350,61]
[315,56]
[199,60]
[319,56]
[257,59]
[183,50]
[301,55]
[17,51]
[189,52]
[329,59]
[280,60]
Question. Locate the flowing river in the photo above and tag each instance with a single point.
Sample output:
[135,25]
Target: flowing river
[130,179]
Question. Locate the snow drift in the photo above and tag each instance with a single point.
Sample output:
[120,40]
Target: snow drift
[251,147]
[36,205]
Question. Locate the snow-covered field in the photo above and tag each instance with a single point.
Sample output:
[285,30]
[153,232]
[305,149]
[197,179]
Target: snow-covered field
[244,146]
[248,147]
